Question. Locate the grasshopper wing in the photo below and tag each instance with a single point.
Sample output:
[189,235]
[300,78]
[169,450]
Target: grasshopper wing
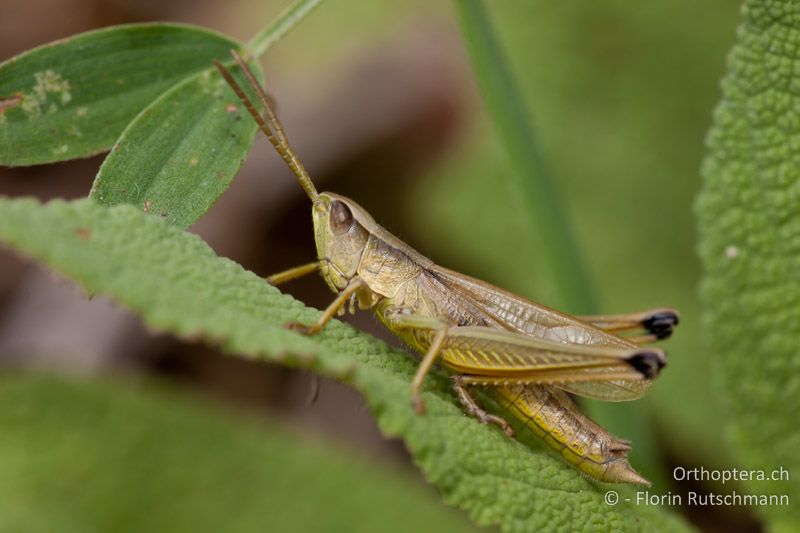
[506,338]
[483,351]
[490,356]
[493,307]
[608,391]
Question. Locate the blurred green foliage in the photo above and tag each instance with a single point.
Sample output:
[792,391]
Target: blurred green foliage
[78,456]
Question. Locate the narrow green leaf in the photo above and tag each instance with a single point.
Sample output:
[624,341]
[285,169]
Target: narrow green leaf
[105,456]
[181,152]
[559,250]
[177,284]
[72,98]
[541,198]
[749,220]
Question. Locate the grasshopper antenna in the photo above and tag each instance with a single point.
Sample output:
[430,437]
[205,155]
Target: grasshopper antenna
[277,137]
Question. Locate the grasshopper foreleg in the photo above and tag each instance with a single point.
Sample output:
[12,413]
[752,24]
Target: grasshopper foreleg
[293,273]
[473,409]
[341,299]
[425,367]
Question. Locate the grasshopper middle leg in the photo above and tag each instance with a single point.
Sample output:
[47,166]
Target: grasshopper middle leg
[440,331]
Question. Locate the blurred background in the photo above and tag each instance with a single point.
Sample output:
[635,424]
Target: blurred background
[380,101]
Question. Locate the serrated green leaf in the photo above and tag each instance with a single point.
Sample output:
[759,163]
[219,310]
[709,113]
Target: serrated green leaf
[750,246]
[176,283]
[105,456]
[72,98]
[181,152]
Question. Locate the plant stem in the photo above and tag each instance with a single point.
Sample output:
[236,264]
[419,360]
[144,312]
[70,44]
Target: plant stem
[272,33]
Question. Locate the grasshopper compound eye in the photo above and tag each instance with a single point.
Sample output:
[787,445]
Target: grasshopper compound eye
[341,218]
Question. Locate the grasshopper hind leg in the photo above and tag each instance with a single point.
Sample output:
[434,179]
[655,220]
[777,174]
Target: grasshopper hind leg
[656,324]
[473,409]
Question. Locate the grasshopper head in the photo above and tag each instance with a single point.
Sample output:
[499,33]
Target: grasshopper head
[340,232]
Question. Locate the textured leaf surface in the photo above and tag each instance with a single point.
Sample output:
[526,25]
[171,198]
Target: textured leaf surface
[181,152]
[177,284]
[91,456]
[73,97]
[750,245]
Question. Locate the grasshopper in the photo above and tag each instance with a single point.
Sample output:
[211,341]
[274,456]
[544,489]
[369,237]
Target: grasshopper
[527,357]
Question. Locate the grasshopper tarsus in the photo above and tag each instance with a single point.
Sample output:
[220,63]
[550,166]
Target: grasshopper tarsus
[418,404]
[301,328]
[473,409]
[488,418]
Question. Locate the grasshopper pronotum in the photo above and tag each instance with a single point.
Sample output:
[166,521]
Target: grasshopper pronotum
[527,356]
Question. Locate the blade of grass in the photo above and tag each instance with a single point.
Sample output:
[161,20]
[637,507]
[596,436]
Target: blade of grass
[545,209]
[266,37]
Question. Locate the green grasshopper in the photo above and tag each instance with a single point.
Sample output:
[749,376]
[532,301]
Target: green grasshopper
[528,357]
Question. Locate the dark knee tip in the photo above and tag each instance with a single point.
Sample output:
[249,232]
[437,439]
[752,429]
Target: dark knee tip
[662,334]
[661,323]
[648,363]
